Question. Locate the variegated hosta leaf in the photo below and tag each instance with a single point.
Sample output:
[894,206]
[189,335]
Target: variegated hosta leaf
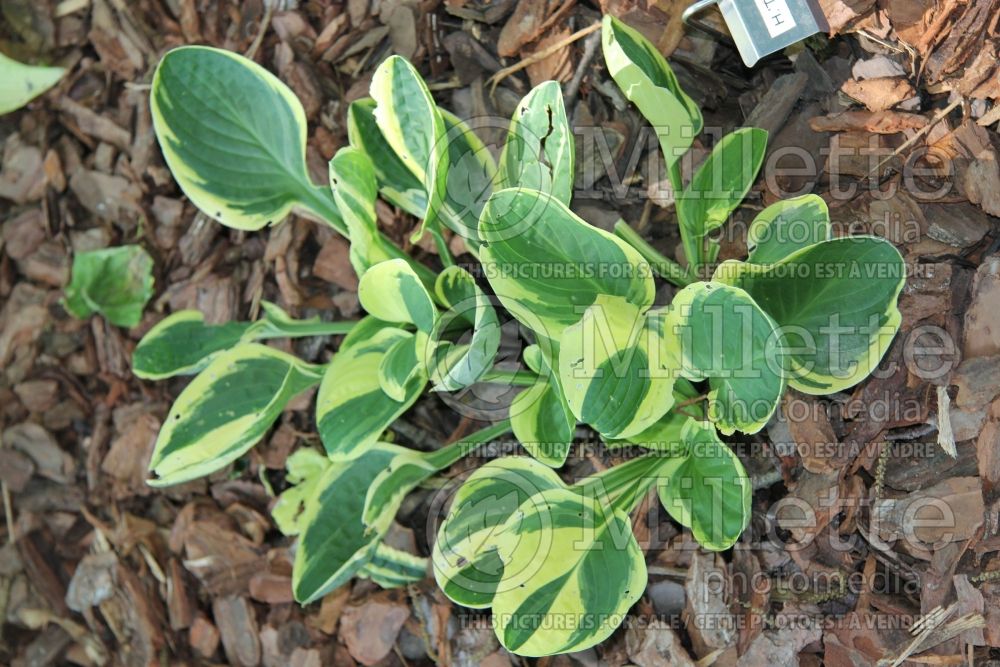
[225,410]
[540,416]
[335,543]
[466,563]
[402,367]
[559,567]
[305,468]
[412,125]
[718,187]
[727,339]
[410,467]
[397,184]
[835,305]
[469,176]
[352,178]
[617,368]
[352,409]
[400,476]
[547,265]
[539,151]
[234,138]
[392,291]
[787,226]
[664,435]
[710,491]
[391,568]
[182,344]
[20,83]
[647,81]
[455,365]
[469,182]
[572,570]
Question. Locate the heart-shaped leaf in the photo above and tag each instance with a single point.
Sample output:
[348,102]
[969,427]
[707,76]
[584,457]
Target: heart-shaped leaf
[571,570]
[835,303]
[466,564]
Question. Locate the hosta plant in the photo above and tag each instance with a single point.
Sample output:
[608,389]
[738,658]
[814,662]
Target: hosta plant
[554,559]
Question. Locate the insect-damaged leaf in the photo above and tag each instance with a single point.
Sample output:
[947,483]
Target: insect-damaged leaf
[114,282]
[234,137]
[225,410]
[305,467]
[539,151]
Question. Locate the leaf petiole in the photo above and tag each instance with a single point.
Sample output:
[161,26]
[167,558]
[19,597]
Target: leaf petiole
[662,265]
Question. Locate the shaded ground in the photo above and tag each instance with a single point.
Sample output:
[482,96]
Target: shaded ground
[894,124]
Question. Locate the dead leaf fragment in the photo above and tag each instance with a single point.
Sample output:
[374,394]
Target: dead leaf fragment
[369,629]
[879,94]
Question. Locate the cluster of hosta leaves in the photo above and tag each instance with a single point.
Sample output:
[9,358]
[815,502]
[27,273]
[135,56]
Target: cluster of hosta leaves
[556,562]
